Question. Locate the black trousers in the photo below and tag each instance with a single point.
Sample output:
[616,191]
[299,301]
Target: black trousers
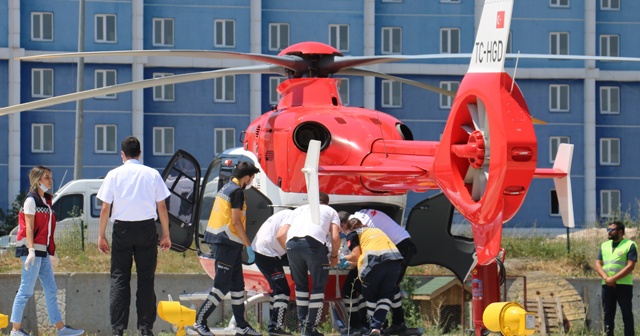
[133,241]
[622,295]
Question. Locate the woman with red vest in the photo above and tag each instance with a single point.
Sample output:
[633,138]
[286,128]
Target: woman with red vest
[36,248]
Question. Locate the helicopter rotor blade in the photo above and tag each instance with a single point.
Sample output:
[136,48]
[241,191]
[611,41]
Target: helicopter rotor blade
[143,84]
[365,72]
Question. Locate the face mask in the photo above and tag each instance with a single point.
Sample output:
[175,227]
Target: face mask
[43,187]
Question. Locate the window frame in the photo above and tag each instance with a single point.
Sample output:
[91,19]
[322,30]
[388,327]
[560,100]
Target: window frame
[163,34]
[558,4]
[43,86]
[224,146]
[344,87]
[606,194]
[338,28]
[163,151]
[39,17]
[609,144]
[105,138]
[279,36]
[39,128]
[274,82]
[558,36]
[447,40]
[448,85]
[164,88]
[553,147]
[606,95]
[105,77]
[224,43]
[222,81]
[105,28]
[607,39]
[609,6]
[388,33]
[559,97]
[388,88]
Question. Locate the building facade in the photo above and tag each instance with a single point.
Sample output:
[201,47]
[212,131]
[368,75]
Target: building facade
[586,103]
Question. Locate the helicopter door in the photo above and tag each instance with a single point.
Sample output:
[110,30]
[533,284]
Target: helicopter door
[218,174]
[429,224]
[182,177]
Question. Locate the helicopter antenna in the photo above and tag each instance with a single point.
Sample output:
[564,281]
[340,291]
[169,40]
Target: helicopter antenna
[513,80]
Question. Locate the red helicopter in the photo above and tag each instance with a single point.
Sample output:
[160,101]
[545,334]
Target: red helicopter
[363,158]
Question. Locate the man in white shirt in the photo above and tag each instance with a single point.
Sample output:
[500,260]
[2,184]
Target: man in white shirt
[307,253]
[135,192]
[269,258]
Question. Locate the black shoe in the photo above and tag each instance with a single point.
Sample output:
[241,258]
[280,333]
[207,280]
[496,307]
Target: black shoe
[146,332]
[278,332]
[350,332]
[395,329]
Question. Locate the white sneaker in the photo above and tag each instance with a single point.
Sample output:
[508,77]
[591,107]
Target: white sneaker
[69,331]
[248,331]
[19,332]
[202,329]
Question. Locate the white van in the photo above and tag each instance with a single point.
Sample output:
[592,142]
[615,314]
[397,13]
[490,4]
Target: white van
[76,203]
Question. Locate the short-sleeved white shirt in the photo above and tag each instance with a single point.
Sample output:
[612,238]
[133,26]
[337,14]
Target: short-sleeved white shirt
[133,190]
[302,226]
[265,241]
[378,219]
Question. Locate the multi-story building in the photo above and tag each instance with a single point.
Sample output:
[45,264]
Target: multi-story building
[587,103]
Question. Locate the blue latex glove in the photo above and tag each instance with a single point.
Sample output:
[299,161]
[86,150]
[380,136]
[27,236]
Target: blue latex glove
[343,263]
[251,255]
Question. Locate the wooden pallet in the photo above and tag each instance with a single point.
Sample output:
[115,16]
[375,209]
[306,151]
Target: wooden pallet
[549,319]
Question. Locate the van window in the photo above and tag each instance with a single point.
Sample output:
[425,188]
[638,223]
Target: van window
[96,206]
[68,206]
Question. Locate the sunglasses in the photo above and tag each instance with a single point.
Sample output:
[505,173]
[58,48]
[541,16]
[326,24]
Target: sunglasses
[611,230]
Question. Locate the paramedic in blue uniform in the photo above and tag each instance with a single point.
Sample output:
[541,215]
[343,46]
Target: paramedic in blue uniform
[309,254]
[270,257]
[226,233]
[379,265]
[136,194]
[616,260]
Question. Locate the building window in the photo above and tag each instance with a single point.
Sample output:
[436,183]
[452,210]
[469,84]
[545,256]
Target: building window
[609,203]
[42,26]
[224,32]
[559,98]
[105,78]
[224,139]
[559,43]
[163,32]
[610,45]
[163,141]
[339,36]
[391,40]
[224,88]
[42,138]
[41,83]
[610,4]
[555,206]
[278,36]
[163,92]
[391,94]
[343,90]
[554,143]
[274,96]
[449,1]
[450,40]
[610,151]
[609,100]
[106,139]
[105,28]
[559,3]
[446,101]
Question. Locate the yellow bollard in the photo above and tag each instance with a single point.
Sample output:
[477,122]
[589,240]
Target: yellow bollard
[176,314]
[4,321]
[509,318]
